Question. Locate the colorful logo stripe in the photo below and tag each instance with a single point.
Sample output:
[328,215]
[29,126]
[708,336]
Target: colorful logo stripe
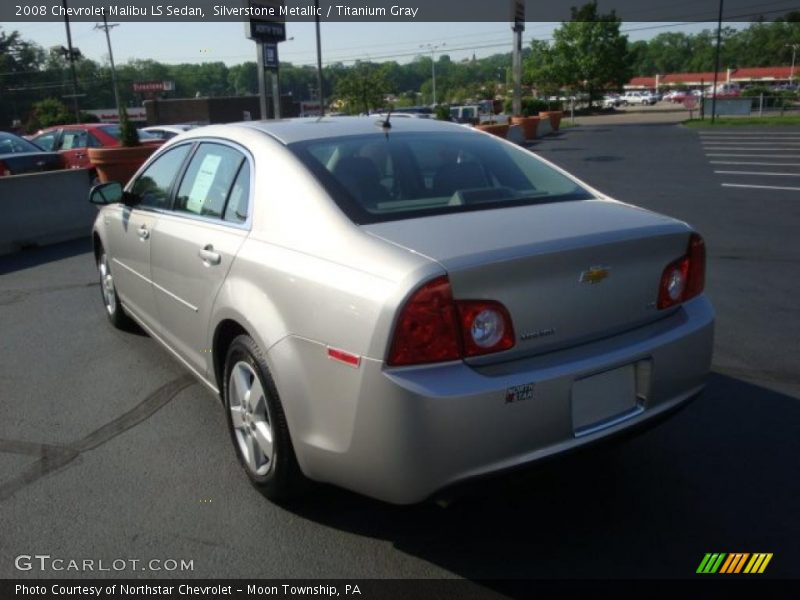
[721,562]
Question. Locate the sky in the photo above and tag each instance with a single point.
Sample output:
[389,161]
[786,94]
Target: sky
[345,42]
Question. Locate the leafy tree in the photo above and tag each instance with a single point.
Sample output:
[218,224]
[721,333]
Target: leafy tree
[588,53]
[47,113]
[362,88]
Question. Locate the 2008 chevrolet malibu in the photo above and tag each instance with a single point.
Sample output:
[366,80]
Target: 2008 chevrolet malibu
[398,307]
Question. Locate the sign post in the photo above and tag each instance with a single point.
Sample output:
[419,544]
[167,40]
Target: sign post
[267,28]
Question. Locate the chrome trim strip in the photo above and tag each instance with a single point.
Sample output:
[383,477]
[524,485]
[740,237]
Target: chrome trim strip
[156,337]
[155,285]
[589,429]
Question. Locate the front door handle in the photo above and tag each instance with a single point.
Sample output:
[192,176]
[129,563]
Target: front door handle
[209,256]
[143,233]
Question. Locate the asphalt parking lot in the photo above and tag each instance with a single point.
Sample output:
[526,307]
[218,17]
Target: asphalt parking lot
[109,450]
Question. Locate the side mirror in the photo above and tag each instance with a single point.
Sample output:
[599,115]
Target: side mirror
[106,193]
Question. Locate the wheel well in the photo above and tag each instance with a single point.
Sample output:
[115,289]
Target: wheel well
[96,245]
[225,333]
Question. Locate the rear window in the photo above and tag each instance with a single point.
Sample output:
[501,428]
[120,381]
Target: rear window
[113,131]
[375,178]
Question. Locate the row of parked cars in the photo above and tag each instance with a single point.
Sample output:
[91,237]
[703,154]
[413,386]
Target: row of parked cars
[66,146]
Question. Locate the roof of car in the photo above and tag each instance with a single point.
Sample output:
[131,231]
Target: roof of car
[289,131]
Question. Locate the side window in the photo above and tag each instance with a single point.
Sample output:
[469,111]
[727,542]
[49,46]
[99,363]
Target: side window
[208,180]
[239,199]
[153,185]
[74,138]
[46,141]
[93,142]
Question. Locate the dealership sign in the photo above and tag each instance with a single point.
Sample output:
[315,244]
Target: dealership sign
[153,86]
[110,115]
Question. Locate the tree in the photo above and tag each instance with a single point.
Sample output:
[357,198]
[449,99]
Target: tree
[47,113]
[588,53]
[362,88]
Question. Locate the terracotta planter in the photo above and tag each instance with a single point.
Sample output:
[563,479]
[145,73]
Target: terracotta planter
[119,164]
[554,116]
[494,129]
[529,125]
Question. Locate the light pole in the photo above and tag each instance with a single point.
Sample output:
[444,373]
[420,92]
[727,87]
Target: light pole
[71,56]
[716,65]
[433,48]
[320,95]
[794,48]
[106,27]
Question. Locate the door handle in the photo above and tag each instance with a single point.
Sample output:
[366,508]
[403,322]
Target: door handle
[80,156]
[209,256]
[143,233]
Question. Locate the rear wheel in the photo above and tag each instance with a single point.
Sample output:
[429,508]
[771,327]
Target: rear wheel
[257,423]
[114,311]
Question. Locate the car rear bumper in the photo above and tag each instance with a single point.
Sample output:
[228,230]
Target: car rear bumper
[416,430]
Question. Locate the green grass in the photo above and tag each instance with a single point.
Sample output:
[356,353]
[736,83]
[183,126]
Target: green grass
[729,121]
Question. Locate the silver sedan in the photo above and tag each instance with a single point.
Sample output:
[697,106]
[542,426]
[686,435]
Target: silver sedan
[398,306]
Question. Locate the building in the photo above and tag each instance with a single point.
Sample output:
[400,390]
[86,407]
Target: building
[743,76]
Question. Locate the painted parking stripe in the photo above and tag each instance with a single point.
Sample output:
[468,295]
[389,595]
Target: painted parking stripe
[765,143]
[739,155]
[761,187]
[745,133]
[745,162]
[768,174]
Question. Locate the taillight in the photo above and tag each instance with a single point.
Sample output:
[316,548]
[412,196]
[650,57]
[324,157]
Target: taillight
[432,327]
[4,170]
[684,278]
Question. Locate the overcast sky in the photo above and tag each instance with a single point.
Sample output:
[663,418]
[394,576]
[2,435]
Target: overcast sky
[346,42]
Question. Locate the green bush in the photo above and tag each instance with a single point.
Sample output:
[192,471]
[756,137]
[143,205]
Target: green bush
[442,112]
[531,107]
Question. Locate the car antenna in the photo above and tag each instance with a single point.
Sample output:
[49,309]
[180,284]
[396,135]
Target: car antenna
[386,124]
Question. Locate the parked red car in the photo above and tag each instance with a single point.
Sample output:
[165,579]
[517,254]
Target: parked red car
[73,141]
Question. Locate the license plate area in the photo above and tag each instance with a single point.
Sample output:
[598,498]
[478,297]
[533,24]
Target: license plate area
[605,399]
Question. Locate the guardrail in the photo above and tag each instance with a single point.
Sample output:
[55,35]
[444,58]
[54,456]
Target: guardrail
[44,208]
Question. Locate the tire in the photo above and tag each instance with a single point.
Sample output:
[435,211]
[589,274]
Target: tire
[108,291]
[258,428]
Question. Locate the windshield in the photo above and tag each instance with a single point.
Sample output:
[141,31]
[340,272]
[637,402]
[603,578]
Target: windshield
[376,178]
[11,144]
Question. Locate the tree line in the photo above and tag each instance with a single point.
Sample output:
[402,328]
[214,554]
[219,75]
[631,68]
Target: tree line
[591,52]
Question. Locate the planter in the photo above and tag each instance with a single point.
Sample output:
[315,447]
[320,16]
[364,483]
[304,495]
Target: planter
[554,116]
[529,125]
[120,163]
[494,129]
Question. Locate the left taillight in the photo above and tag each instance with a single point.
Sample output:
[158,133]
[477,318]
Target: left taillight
[4,170]
[684,278]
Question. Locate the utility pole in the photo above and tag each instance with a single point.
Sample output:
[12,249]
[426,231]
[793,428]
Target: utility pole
[794,48]
[433,48]
[106,27]
[716,65]
[320,94]
[516,57]
[71,56]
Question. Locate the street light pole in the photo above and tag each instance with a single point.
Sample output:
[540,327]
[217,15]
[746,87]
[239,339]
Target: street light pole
[433,48]
[320,95]
[106,27]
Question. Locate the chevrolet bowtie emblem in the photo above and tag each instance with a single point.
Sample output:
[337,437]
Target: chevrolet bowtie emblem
[594,275]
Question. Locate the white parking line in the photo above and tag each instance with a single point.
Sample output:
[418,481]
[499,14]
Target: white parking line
[745,133]
[761,187]
[757,173]
[766,143]
[745,162]
[726,154]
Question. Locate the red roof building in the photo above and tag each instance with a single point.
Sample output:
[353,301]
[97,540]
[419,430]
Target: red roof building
[743,75]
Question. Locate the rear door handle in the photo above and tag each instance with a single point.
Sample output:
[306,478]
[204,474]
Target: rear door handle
[209,256]
[143,233]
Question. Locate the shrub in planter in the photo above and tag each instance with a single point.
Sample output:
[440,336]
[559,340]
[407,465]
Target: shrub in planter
[120,163]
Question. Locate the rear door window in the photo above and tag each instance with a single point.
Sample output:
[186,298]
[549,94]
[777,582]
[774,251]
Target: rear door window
[208,180]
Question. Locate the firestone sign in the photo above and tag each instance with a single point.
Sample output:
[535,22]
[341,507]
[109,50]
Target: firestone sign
[153,86]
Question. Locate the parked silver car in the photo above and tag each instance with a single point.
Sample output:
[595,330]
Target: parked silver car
[396,308]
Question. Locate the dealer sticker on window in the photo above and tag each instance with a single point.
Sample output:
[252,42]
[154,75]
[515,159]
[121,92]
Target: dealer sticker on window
[518,393]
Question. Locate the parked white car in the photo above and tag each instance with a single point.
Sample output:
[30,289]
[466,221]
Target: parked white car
[642,98]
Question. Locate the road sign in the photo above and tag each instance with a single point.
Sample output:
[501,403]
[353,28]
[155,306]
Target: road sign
[270,55]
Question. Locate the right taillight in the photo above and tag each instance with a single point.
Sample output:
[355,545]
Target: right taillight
[433,327]
[684,278]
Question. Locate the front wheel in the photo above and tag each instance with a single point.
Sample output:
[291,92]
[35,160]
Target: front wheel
[257,423]
[114,311]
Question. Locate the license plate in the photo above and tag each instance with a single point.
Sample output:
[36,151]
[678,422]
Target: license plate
[601,400]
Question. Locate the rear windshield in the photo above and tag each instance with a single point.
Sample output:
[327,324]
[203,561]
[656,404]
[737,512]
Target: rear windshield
[379,177]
